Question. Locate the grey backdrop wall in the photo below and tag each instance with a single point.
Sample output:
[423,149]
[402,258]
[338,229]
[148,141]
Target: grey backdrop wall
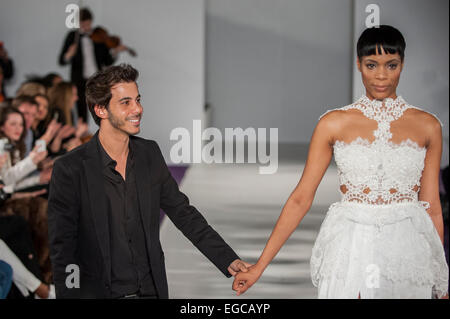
[167,35]
[425,77]
[277,63]
[268,63]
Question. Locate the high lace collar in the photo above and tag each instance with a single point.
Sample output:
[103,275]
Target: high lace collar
[387,102]
[388,109]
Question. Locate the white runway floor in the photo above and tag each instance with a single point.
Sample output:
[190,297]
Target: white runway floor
[243,206]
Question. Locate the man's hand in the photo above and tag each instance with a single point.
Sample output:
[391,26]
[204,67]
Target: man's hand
[238,266]
[243,281]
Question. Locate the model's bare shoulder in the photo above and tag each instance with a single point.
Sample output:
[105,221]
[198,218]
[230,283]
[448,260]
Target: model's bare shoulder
[333,121]
[427,124]
[428,121]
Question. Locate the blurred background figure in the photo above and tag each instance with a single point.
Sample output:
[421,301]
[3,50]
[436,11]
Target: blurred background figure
[85,57]
[6,70]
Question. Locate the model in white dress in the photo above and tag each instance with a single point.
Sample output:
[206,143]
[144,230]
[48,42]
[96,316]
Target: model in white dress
[379,241]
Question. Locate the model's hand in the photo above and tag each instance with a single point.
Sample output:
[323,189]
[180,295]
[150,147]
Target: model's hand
[245,280]
[238,266]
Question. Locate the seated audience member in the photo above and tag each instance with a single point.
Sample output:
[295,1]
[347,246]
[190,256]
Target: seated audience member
[6,274]
[25,281]
[62,99]
[27,205]
[48,81]
[29,107]
[31,89]
[19,165]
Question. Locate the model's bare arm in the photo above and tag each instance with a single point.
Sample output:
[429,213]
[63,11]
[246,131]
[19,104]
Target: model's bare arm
[299,202]
[429,183]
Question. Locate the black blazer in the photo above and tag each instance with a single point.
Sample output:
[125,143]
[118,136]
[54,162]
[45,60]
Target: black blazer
[78,219]
[102,57]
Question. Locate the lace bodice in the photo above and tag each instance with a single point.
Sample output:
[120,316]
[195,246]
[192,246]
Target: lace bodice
[379,172]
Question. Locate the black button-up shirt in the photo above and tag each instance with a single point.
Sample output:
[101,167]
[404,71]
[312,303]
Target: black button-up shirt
[130,263]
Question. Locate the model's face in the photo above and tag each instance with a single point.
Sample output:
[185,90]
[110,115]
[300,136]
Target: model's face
[125,109]
[29,112]
[380,74]
[42,108]
[13,127]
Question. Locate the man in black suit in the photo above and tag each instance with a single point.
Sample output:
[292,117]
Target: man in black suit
[85,57]
[104,203]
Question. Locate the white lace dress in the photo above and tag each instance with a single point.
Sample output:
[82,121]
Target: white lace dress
[379,243]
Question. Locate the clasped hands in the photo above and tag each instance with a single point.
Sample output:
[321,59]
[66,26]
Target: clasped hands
[245,275]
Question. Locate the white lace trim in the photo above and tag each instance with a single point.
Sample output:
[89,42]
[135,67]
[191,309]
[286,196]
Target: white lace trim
[416,257]
[381,171]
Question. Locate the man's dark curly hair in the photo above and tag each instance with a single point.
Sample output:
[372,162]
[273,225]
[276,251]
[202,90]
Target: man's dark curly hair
[98,87]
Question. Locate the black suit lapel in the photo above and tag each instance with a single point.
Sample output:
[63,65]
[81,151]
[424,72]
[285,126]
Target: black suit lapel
[97,199]
[142,169]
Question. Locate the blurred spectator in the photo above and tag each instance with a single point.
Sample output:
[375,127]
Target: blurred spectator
[18,165]
[62,98]
[6,275]
[28,106]
[85,57]
[22,277]
[48,81]
[31,89]
[6,68]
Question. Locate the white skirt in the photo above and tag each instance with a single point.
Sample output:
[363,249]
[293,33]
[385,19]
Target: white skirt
[379,251]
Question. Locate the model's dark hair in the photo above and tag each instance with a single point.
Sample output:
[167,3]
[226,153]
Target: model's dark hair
[98,87]
[372,40]
[85,14]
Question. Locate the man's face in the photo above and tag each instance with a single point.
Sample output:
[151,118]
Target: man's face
[29,112]
[125,109]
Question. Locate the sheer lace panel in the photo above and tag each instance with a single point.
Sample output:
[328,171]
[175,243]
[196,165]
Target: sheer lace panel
[379,172]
